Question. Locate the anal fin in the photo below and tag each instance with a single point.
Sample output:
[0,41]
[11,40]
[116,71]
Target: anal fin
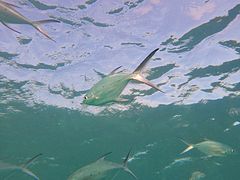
[139,78]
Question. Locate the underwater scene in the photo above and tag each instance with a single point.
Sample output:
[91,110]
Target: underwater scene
[119,89]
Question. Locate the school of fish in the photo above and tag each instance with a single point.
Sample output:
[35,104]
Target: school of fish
[107,90]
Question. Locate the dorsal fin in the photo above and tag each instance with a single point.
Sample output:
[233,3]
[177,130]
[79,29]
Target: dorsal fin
[144,62]
[103,156]
[113,71]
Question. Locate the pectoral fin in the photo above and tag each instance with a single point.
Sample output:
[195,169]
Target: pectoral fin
[139,78]
[10,28]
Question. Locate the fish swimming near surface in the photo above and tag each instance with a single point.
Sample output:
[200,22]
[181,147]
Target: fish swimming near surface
[210,148]
[8,15]
[110,87]
[99,168]
[179,162]
[23,168]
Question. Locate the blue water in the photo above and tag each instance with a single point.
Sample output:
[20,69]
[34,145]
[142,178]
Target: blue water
[42,85]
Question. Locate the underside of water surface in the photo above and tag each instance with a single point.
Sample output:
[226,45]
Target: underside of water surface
[43,83]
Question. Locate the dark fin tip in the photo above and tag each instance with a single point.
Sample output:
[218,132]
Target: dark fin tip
[103,156]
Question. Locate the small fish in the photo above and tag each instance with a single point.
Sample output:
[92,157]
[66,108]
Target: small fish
[210,148]
[23,168]
[110,87]
[97,169]
[179,162]
[197,175]
[8,15]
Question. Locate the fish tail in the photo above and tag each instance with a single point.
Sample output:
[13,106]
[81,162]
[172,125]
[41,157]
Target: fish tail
[136,75]
[190,146]
[24,169]
[125,165]
[36,25]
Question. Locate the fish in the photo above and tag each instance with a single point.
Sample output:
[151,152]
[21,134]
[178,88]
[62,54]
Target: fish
[197,175]
[179,162]
[210,148]
[99,168]
[8,15]
[110,87]
[23,168]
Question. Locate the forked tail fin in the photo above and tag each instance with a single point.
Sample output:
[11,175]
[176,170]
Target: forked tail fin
[190,146]
[36,25]
[24,169]
[136,75]
[125,165]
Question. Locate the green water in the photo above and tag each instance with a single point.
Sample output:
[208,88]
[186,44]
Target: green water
[42,85]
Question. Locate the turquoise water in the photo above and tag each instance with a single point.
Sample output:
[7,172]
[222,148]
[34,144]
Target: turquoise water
[42,85]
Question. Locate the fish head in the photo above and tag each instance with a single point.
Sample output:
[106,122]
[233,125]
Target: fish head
[95,99]
[90,98]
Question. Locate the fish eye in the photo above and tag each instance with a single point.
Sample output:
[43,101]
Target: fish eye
[85,97]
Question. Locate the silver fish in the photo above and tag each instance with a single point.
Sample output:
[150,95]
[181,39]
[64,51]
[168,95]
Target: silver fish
[179,162]
[210,148]
[8,15]
[23,168]
[110,87]
[97,169]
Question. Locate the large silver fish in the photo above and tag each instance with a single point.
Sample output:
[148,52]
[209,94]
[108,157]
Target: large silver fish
[99,168]
[8,15]
[210,148]
[23,168]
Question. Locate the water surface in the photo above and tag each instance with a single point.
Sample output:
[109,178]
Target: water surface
[42,85]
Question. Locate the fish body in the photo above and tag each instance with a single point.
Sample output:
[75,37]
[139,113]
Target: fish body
[6,166]
[98,169]
[8,15]
[110,87]
[197,175]
[94,170]
[210,148]
[179,162]
[107,89]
